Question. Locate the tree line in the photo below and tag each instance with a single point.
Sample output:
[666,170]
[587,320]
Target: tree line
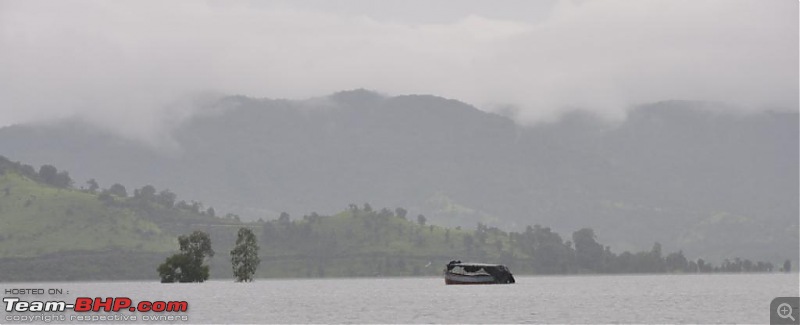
[549,253]
[141,200]
[536,250]
[369,233]
[47,174]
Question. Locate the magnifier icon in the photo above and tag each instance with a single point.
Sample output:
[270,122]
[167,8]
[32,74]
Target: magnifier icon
[785,311]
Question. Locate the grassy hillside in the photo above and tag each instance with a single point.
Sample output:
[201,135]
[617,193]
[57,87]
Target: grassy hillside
[362,243]
[38,220]
[50,231]
[56,232]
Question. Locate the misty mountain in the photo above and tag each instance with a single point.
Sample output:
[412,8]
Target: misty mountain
[690,175]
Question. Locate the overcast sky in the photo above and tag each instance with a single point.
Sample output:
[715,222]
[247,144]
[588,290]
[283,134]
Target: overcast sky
[127,62]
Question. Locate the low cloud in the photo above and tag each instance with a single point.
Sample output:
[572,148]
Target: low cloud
[124,64]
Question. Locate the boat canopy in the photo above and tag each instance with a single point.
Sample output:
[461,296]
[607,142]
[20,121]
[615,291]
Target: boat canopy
[478,267]
[500,273]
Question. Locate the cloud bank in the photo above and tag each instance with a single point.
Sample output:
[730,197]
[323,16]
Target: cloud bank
[128,64]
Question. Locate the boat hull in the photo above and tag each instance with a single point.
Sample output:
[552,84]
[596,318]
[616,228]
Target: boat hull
[450,278]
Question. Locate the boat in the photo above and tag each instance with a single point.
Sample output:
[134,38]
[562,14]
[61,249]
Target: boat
[477,273]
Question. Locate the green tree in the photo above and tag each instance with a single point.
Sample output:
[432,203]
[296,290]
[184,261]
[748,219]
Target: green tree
[147,193]
[654,263]
[93,186]
[63,180]
[588,253]
[173,269]
[28,171]
[166,198]
[189,264]
[400,212]
[550,255]
[48,173]
[284,218]
[118,190]
[421,220]
[244,256]
[701,265]
[676,262]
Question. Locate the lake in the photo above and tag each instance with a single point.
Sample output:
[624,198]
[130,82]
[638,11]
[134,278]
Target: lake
[718,298]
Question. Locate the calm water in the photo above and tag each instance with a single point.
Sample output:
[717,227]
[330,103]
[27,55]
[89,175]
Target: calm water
[556,299]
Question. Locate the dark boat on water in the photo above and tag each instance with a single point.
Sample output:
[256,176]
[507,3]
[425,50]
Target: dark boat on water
[476,273]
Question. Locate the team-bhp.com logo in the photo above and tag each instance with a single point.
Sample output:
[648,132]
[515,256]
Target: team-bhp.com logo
[89,305]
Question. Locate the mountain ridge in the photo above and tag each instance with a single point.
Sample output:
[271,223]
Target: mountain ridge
[664,169]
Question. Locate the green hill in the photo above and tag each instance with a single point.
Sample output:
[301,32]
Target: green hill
[61,233]
[51,231]
[39,220]
[657,175]
[361,242]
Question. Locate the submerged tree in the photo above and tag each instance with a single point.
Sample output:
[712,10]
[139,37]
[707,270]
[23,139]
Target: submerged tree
[244,256]
[188,265]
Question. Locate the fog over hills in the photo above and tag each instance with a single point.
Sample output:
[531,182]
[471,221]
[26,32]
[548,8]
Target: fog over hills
[691,175]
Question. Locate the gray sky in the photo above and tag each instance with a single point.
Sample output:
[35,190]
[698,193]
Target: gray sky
[131,63]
